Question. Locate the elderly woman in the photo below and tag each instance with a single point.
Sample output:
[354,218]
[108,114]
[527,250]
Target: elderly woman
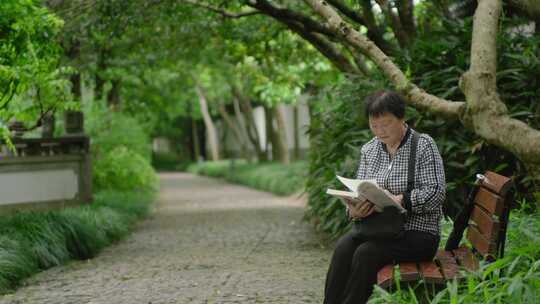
[355,262]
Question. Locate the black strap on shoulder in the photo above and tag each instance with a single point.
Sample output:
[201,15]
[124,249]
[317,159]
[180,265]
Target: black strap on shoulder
[412,161]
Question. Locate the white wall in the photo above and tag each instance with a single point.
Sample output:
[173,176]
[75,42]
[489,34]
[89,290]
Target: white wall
[288,113]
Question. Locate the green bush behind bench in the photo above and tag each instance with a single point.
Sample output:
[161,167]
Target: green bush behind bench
[272,177]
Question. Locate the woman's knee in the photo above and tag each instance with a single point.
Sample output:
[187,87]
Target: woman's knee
[345,246]
[371,253]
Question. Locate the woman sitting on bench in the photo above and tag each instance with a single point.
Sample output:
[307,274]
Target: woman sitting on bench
[356,261]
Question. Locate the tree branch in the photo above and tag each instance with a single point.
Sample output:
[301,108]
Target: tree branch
[327,48]
[414,95]
[395,22]
[220,11]
[486,114]
[284,15]
[406,15]
[347,11]
[375,33]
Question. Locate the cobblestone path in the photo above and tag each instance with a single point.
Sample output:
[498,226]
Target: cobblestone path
[207,242]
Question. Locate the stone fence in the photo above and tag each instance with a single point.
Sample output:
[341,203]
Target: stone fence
[45,173]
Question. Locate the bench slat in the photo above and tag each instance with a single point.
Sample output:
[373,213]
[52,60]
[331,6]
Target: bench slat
[497,183]
[408,272]
[385,276]
[489,201]
[486,224]
[466,258]
[484,246]
[430,272]
[448,264]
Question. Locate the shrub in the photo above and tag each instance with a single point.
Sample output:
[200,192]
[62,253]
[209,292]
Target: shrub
[109,130]
[168,161]
[124,170]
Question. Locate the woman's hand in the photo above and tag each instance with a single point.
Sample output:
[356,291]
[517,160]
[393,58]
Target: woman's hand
[361,210]
[396,198]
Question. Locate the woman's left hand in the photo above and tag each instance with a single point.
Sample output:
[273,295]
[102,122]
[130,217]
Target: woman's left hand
[397,198]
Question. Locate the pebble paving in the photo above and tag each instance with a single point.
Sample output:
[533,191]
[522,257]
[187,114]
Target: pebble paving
[207,241]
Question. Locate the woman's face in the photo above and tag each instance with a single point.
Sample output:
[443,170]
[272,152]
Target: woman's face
[387,128]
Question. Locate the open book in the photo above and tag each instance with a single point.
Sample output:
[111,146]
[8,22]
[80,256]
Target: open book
[362,190]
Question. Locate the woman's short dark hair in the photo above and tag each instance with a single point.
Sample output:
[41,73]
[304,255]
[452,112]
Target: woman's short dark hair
[384,101]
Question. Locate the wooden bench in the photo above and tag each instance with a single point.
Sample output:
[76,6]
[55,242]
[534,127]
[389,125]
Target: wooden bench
[486,232]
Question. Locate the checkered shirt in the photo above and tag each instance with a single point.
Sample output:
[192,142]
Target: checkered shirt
[424,202]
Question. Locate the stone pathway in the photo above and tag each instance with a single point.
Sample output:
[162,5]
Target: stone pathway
[207,242]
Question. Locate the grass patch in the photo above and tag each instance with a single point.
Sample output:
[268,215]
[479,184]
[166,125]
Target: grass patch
[272,177]
[34,241]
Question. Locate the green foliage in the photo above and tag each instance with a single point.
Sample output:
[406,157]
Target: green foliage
[109,130]
[337,131]
[31,80]
[436,62]
[168,161]
[35,241]
[272,177]
[124,170]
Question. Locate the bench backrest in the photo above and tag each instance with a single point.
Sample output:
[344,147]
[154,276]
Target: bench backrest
[489,217]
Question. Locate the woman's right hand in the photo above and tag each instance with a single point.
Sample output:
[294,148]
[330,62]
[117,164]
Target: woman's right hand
[361,210]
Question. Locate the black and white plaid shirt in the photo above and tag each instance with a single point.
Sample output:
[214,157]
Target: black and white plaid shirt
[424,202]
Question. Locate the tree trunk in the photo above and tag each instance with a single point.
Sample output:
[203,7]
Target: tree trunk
[243,128]
[113,96]
[281,135]
[101,66]
[486,114]
[196,144]
[395,23]
[271,138]
[295,133]
[209,124]
[235,130]
[251,127]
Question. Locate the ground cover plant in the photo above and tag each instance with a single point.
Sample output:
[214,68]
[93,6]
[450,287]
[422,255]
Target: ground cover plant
[34,241]
[272,177]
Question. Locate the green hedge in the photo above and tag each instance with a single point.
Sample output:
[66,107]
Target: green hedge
[34,241]
[169,161]
[122,169]
[272,177]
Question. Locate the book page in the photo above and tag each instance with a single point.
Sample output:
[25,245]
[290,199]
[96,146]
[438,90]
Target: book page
[353,197]
[378,196]
[352,184]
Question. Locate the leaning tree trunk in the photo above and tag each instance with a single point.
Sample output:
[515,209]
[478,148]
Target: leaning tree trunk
[271,138]
[235,129]
[251,127]
[242,126]
[196,144]
[101,66]
[296,131]
[209,124]
[281,135]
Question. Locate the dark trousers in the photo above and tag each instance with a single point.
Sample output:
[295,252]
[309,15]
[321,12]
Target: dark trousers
[355,263]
